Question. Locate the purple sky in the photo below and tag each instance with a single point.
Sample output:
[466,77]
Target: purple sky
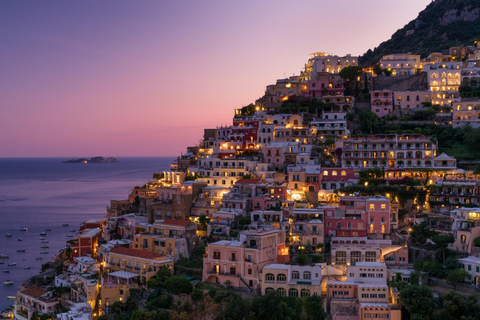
[143,78]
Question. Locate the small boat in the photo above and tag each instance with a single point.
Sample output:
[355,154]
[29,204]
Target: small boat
[19,239]
[8,235]
[39,258]
[69,235]
[73,230]
[4,256]
[12,297]
[45,241]
[65,224]
[41,238]
[23,229]
[44,246]
[20,250]
[8,283]
[44,252]
[48,229]
[6,271]
[43,234]
[27,267]
[2,262]
[12,264]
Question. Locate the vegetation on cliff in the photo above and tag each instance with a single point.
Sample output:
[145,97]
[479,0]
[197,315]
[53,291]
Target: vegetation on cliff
[443,24]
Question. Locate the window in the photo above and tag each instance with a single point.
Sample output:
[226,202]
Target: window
[341,257]
[282,292]
[370,256]
[268,290]
[295,275]
[307,275]
[281,277]
[305,293]
[269,277]
[293,293]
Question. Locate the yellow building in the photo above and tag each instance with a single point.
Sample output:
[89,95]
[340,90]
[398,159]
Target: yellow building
[143,263]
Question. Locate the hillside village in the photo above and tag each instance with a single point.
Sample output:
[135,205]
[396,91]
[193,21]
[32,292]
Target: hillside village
[333,189]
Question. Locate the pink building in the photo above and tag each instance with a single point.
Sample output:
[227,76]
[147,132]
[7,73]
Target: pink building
[381,102]
[241,261]
[325,83]
[359,216]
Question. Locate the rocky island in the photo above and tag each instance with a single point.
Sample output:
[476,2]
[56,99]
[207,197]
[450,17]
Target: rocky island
[92,160]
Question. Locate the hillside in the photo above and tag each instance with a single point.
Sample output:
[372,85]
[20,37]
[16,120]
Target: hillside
[443,24]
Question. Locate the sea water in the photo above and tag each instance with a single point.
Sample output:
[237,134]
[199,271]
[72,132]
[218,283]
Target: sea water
[44,193]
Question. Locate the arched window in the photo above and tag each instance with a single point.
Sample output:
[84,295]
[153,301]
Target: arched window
[281,277]
[370,256]
[341,257]
[355,256]
[344,173]
[295,122]
[293,293]
[269,277]
[305,293]
[282,292]
[307,275]
[334,173]
[268,290]
[295,274]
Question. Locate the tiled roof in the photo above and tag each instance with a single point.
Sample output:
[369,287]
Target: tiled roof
[248,181]
[173,222]
[136,253]
[34,291]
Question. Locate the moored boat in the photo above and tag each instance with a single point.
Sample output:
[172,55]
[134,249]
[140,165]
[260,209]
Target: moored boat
[27,267]
[12,264]
[48,229]
[65,224]
[44,252]
[11,297]
[19,239]
[8,283]
[43,234]
[39,258]
[69,235]
[6,271]
[45,241]
[4,256]
[20,250]
[44,246]
[23,229]
[8,235]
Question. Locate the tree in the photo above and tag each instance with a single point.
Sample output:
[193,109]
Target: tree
[421,233]
[368,121]
[454,305]
[314,308]
[454,277]
[178,284]
[417,301]
[350,73]
[163,274]
[273,306]
[302,259]
[442,240]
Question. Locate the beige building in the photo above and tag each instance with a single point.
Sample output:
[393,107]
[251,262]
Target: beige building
[241,261]
[292,280]
[116,287]
[34,299]
[136,261]
[168,237]
[401,63]
[466,112]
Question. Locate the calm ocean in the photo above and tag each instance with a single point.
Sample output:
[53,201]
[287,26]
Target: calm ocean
[40,193]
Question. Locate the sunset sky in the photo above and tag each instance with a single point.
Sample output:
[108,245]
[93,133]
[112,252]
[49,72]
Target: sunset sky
[143,78]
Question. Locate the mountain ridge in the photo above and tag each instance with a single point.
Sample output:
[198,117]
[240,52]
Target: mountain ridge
[441,25]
